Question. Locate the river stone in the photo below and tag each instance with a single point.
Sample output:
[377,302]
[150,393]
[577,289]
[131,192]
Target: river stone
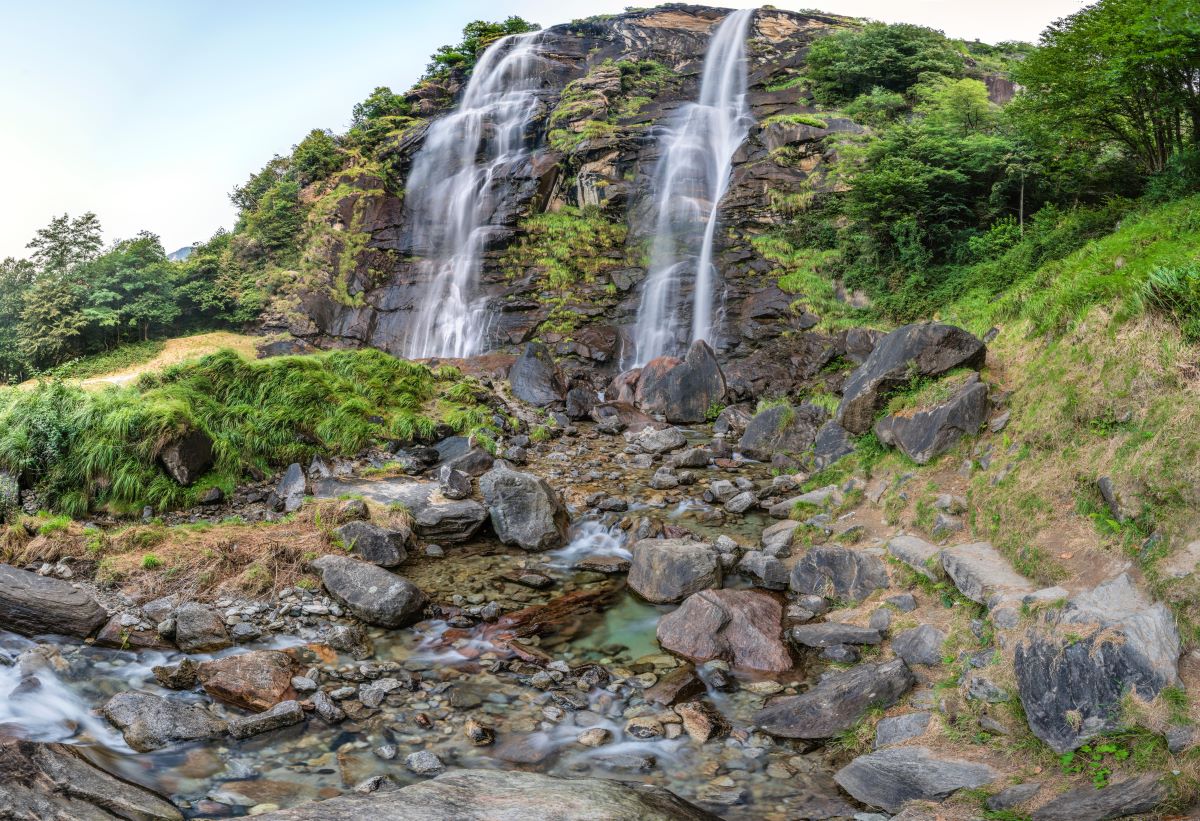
[373,594]
[1120,799]
[187,458]
[764,570]
[57,781]
[1075,668]
[920,645]
[781,429]
[664,571]
[199,629]
[283,714]
[779,536]
[895,729]
[39,605]
[839,573]
[889,778]
[525,510]
[614,417]
[914,350]
[660,440]
[837,701]
[830,634]
[504,795]
[256,680]
[149,722]
[462,454]
[682,391]
[917,553]
[741,627]
[454,483]
[929,432]
[535,377]
[378,545]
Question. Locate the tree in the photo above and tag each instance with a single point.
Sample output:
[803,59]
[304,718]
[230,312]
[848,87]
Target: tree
[130,287]
[66,242]
[315,157]
[246,197]
[850,62]
[52,321]
[961,106]
[477,36]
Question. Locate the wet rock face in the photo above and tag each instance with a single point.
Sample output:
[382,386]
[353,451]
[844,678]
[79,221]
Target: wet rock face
[837,702]
[741,627]
[372,593]
[669,570]
[504,796]
[889,778]
[44,781]
[149,722]
[684,391]
[524,509]
[914,350]
[36,605]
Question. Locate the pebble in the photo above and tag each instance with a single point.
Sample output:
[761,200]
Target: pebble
[424,762]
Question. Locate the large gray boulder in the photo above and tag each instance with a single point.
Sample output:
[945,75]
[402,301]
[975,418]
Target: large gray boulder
[838,573]
[1075,668]
[504,795]
[187,458]
[913,350]
[683,392]
[837,701]
[384,546]
[889,778]
[525,510]
[199,629]
[149,722]
[781,429]
[535,377]
[293,485]
[57,781]
[930,432]
[664,571]
[832,443]
[38,605]
[983,575]
[920,645]
[1120,799]
[373,594]
[437,518]
[741,627]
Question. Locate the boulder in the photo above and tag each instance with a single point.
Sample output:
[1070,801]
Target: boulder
[283,714]
[897,729]
[929,432]
[913,350]
[829,634]
[525,510]
[839,573]
[984,576]
[373,594]
[149,722]
[535,377]
[619,416]
[199,629]
[837,701]
[781,429]
[920,645]
[38,605]
[187,458]
[918,554]
[1120,799]
[832,443]
[669,570]
[580,402]
[1075,668]
[889,778]
[503,795]
[741,627]
[384,546]
[454,483]
[257,680]
[57,781]
[683,392]
[662,440]
[436,518]
[289,493]
[764,570]
[462,454]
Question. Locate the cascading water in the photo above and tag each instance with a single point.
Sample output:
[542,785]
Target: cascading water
[689,181]
[451,193]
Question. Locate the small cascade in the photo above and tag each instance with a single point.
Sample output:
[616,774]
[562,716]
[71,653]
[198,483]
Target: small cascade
[452,193]
[690,179]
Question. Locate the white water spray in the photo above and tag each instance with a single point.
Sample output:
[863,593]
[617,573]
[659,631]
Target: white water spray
[690,180]
[452,193]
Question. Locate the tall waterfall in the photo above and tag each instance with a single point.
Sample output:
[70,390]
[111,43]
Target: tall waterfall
[452,193]
[690,179]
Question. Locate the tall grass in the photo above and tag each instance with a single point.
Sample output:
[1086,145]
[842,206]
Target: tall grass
[83,450]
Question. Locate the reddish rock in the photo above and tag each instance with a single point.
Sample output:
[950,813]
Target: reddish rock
[680,684]
[742,627]
[257,680]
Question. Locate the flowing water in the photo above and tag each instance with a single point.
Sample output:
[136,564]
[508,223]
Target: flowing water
[690,180]
[452,193]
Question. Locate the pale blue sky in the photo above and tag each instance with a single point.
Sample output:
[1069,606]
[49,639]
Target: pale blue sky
[149,111]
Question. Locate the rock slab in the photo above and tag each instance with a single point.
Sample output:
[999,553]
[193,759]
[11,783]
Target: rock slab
[741,627]
[664,571]
[38,605]
[889,778]
[837,701]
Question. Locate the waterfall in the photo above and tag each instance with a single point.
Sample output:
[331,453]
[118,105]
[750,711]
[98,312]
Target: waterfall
[451,194]
[690,179]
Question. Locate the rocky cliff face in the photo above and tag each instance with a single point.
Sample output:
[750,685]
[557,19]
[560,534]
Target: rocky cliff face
[607,83]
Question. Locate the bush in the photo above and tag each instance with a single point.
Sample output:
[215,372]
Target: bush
[1175,291]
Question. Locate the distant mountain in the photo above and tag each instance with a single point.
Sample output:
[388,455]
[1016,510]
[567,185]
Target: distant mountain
[182,254]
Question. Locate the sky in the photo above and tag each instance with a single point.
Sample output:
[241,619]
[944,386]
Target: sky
[148,112]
